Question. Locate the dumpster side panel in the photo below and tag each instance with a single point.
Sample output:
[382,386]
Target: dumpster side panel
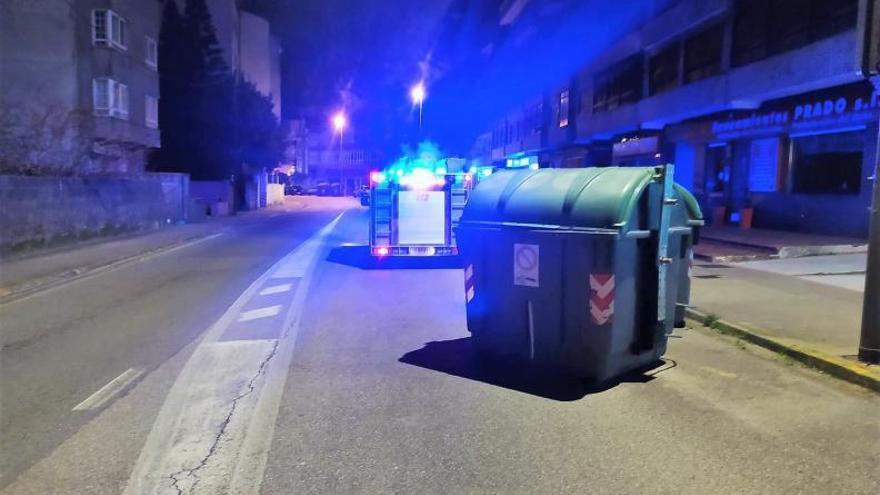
[590,306]
[506,329]
[543,305]
[476,247]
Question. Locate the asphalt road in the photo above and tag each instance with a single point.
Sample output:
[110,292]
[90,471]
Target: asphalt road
[324,374]
[62,345]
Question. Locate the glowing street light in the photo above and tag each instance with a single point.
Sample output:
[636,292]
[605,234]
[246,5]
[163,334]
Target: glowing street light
[417,93]
[340,121]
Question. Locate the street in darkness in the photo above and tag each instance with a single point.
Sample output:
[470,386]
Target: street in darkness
[482,246]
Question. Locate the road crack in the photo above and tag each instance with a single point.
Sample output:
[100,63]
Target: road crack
[192,473]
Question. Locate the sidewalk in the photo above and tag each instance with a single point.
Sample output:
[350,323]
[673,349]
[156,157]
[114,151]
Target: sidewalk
[726,243]
[22,275]
[814,322]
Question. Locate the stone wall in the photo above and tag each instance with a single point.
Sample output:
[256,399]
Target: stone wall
[40,212]
[216,196]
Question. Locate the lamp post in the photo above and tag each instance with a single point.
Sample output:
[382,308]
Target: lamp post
[339,122]
[417,94]
[869,343]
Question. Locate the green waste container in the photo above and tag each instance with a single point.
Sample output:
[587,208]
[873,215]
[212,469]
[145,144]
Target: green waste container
[585,269]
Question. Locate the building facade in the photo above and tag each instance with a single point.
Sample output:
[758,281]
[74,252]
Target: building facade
[348,164]
[80,83]
[765,107]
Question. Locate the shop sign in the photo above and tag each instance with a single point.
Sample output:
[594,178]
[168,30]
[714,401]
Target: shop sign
[805,113]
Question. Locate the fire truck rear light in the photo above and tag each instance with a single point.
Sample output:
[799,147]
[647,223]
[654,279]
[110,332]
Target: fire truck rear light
[377,177]
[381,251]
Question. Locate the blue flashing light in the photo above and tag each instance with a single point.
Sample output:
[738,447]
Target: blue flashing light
[486,172]
[419,179]
[533,166]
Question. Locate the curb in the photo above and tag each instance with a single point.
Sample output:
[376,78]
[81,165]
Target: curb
[25,289]
[844,369]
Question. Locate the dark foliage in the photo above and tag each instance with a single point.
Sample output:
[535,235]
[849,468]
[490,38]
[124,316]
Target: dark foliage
[212,121]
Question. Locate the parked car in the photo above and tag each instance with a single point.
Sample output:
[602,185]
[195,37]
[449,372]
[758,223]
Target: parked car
[364,195]
[293,190]
[329,189]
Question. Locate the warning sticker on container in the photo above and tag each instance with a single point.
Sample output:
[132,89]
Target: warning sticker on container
[601,298]
[526,270]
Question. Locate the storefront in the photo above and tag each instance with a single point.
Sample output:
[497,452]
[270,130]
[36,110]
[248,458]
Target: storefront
[637,151]
[801,163]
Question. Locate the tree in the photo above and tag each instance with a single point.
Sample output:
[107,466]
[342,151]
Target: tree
[212,121]
[175,57]
[41,138]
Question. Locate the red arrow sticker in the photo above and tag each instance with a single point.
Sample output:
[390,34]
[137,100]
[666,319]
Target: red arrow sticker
[601,298]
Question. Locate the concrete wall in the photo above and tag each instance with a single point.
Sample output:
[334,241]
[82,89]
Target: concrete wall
[274,194]
[37,52]
[46,211]
[216,196]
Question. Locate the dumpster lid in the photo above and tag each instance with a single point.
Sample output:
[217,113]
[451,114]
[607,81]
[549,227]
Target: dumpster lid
[596,198]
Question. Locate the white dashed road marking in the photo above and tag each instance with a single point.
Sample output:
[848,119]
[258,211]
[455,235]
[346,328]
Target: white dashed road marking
[276,289]
[107,392]
[256,314]
[215,428]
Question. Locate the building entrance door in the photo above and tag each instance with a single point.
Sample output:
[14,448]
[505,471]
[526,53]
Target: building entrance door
[717,182]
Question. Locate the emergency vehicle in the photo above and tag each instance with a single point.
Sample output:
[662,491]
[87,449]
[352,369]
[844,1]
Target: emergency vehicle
[414,208]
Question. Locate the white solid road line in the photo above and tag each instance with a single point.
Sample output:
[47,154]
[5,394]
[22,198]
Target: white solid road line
[107,392]
[256,314]
[276,289]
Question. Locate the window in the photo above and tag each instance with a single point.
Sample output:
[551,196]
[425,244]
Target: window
[101,96]
[99,27]
[108,29]
[619,85]
[763,28]
[663,69]
[151,112]
[151,56]
[110,98]
[120,101]
[827,163]
[562,109]
[702,54]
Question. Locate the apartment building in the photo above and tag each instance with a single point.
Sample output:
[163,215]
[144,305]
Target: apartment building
[91,65]
[348,164]
[763,105]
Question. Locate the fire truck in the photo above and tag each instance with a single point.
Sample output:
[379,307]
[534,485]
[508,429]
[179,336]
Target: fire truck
[414,207]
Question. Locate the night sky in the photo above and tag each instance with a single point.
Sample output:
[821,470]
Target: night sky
[364,55]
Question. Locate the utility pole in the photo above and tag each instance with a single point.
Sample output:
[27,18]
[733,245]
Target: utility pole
[869,344]
[341,166]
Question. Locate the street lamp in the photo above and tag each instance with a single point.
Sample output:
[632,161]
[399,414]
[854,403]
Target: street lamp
[417,93]
[340,121]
